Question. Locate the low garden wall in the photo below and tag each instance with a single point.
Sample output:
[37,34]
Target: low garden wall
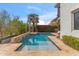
[18,38]
[14,39]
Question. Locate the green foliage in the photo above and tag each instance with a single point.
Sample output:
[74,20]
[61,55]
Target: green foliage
[4,21]
[23,28]
[9,26]
[33,19]
[55,25]
[17,26]
[4,17]
[71,41]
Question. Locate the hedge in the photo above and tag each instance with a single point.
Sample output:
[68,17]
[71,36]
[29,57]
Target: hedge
[71,41]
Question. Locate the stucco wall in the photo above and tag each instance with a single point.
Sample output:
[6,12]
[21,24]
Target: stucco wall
[66,23]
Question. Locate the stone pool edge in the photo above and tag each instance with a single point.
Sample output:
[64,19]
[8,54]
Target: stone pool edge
[10,50]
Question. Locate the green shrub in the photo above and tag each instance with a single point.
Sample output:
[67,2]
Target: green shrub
[71,41]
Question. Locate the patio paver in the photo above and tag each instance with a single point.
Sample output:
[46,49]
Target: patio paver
[9,50]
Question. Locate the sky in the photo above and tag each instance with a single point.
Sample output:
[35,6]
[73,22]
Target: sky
[46,11]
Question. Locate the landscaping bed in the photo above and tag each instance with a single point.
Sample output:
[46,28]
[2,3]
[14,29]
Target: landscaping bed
[71,41]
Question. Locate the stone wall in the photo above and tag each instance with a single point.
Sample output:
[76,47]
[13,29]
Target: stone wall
[18,38]
[15,39]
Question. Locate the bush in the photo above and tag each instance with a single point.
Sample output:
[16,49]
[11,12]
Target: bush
[71,41]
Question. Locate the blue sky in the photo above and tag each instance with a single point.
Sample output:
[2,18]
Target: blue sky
[46,11]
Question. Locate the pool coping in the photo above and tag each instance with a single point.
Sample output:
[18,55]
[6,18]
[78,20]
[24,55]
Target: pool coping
[64,48]
[11,47]
[40,50]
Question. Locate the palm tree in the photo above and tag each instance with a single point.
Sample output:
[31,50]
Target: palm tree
[32,22]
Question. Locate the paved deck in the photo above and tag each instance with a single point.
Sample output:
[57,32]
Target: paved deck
[65,49]
[6,49]
[9,50]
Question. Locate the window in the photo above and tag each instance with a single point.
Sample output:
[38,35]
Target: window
[76,20]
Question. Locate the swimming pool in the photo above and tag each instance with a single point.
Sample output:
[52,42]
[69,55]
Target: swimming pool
[37,42]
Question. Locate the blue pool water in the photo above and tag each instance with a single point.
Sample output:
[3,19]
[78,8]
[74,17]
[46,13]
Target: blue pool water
[37,42]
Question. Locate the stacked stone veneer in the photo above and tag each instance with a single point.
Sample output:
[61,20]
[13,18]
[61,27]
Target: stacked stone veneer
[15,39]
[18,38]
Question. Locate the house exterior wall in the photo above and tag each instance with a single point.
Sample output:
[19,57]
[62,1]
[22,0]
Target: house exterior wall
[66,19]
